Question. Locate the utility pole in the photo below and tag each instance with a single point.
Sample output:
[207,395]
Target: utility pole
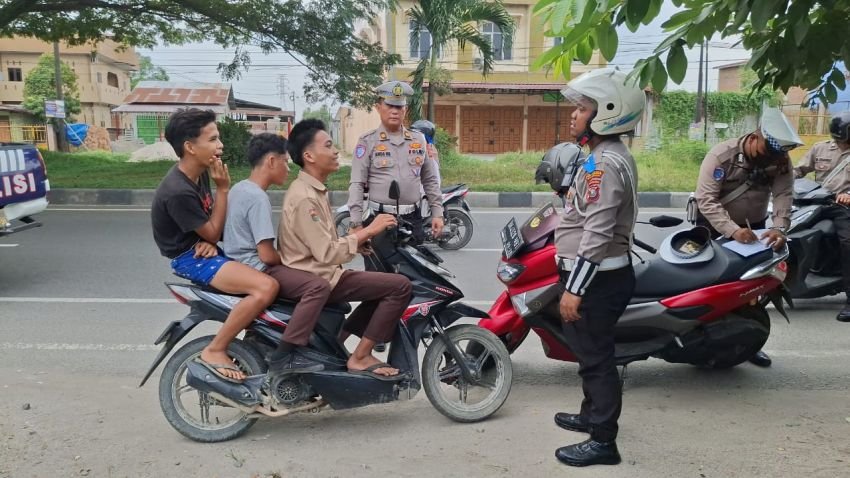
[698,111]
[705,99]
[281,90]
[59,122]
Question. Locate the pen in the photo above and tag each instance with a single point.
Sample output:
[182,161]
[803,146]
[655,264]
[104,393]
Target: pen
[748,225]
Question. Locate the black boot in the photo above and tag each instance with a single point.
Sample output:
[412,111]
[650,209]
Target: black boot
[844,315]
[293,362]
[761,359]
[572,422]
[589,452]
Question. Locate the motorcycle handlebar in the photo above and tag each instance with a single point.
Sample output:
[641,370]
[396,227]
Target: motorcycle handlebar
[644,246]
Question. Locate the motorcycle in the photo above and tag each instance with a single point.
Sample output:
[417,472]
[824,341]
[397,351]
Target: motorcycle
[457,218]
[710,314]
[814,266]
[461,386]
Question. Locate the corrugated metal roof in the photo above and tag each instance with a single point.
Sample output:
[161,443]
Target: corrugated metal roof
[162,92]
[165,108]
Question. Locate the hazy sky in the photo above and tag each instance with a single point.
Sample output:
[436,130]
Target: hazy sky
[198,62]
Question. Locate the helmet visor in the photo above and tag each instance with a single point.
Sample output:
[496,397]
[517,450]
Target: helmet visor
[575,98]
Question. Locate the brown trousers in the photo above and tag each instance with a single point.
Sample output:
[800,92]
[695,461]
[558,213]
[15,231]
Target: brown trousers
[383,299]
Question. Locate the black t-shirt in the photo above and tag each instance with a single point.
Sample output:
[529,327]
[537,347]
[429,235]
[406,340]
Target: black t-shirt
[179,207]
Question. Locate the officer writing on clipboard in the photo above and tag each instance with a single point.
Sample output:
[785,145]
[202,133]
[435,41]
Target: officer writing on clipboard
[593,241]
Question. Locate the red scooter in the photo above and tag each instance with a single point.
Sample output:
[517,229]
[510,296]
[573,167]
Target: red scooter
[708,314]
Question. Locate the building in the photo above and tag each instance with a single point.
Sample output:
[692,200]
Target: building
[103,76]
[514,108]
[147,108]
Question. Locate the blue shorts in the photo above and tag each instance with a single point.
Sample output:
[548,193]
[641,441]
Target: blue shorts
[200,270]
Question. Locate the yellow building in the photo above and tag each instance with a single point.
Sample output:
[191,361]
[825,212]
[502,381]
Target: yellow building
[103,76]
[514,108]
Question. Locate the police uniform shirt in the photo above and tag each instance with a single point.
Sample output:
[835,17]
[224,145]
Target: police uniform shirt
[723,170]
[599,212]
[821,159]
[307,239]
[838,180]
[381,157]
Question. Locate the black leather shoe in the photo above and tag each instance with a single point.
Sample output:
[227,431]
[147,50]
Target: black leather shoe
[844,315]
[761,359]
[294,362]
[589,452]
[572,422]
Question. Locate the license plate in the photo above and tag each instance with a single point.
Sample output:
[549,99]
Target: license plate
[511,239]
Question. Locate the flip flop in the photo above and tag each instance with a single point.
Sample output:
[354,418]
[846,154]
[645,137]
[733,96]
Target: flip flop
[370,372]
[213,366]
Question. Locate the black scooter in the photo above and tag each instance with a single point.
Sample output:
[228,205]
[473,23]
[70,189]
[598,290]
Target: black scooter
[814,266]
[463,386]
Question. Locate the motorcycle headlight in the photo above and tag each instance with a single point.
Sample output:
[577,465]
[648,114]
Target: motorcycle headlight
[507,272]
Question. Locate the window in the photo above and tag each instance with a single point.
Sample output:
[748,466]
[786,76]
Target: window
[99,78]
[500,43]
[112,79]
[15,74]
[424,41]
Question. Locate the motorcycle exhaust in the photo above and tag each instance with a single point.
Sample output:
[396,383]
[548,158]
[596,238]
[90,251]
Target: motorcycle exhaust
[247,393]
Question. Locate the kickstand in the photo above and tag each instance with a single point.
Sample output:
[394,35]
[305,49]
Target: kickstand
[623,376]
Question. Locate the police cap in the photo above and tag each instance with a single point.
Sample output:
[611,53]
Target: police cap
[394,93]
[777,131]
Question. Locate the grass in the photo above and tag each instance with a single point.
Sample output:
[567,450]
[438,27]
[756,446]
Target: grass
[666,170]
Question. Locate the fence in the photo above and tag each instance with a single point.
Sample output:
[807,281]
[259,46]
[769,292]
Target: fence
[30,133]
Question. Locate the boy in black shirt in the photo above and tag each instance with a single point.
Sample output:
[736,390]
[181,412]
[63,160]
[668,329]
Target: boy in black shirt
[187,223]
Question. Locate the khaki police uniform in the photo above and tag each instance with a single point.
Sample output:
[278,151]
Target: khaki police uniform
[593,241]
[726,204]
[822,158]
[838,181]
[308,241]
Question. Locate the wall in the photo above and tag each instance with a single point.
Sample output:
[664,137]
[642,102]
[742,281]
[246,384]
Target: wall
[352,124]
[729,79]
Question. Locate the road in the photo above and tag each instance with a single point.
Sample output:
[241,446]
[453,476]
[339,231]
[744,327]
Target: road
[81,301]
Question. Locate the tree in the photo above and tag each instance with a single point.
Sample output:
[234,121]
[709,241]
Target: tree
[322,113]
[318,35]
[794,42]
[40,84]
[147,71]
[448,21]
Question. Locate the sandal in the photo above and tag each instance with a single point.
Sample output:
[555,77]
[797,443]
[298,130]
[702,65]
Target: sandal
[212,367]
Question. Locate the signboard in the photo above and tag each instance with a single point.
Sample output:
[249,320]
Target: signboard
[54,108]
[511,238]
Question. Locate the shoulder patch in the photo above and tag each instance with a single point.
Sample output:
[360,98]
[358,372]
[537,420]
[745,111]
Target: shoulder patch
[593,181]
[360,151]
[590,164]
[314,214]
[718,174]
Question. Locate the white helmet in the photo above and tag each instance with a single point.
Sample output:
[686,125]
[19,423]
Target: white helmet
[619,104]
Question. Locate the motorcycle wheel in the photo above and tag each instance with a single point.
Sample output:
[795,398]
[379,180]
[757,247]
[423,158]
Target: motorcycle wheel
[342,221]
[461,220]
[454,396]
[196,414]
[738,355]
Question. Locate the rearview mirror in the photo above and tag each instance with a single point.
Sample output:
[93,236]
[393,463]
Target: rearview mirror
[665,221]
[394,192]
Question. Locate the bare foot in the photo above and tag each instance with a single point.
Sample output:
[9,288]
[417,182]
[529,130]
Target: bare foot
[368,361]
[221,358]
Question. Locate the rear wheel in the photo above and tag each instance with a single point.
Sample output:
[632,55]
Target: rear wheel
[729,357]
[460,224]
[342,221]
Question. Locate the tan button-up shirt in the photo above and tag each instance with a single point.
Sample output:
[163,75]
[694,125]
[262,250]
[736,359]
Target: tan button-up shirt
[724,169]
[307,239]
[600,212]
[381,157]
[822,159]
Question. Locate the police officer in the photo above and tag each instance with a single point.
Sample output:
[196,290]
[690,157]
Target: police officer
[736,180]
[393,152]
[830,160]
[593,241]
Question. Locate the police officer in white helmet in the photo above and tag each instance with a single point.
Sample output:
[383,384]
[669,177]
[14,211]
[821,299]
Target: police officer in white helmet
[593,242]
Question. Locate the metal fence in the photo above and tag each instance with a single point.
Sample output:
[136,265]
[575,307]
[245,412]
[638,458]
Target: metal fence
[31,133]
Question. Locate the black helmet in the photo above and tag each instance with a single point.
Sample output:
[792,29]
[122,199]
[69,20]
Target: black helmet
[554,165]
[425,127]
[839,127]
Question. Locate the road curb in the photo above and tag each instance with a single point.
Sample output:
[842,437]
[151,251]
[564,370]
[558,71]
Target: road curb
[143,197]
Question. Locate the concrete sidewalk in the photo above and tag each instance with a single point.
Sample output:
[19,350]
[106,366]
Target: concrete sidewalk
[143,197]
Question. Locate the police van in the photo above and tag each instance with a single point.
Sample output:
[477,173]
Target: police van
[23,187]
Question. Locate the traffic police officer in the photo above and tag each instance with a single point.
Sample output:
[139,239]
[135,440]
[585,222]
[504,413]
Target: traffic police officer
[736,180]
[830,160]
[393,152]
[593,241]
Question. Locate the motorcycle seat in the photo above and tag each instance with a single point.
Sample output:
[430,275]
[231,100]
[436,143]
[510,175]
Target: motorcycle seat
[658,279]
[450,189]
[284,304]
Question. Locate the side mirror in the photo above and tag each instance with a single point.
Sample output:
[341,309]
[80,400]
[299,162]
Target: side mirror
[665,221]
[394,191]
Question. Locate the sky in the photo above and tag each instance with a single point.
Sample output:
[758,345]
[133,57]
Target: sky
[198,62]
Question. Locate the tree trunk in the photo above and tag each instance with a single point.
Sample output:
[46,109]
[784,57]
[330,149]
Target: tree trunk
[432,95]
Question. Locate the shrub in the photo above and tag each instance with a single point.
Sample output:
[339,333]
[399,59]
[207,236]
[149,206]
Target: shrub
[447,146]
[235,137]
[687,150]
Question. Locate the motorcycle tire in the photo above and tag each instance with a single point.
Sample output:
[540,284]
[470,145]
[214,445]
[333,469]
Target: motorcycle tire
[172,380]
[439,371]
[342,221]
[461,219]
[758,314]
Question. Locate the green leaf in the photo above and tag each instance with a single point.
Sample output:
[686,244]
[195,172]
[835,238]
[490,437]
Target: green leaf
[541,4]
[801,29]
[647,73]
[584,51]
[547,57]
[677,63]
[635,11]
[741,14]
[659,76]
[837,78]
[608,40]
[653,11]
[577,10]
[669,41]
[762,12]
[830,92]
[680,18]
[559,15]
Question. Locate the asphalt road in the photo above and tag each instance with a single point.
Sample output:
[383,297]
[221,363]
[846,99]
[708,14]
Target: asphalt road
[81,301]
